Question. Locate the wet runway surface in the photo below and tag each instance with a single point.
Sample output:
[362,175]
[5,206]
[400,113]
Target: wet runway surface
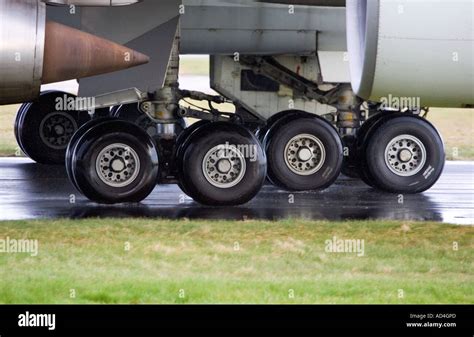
[32,191]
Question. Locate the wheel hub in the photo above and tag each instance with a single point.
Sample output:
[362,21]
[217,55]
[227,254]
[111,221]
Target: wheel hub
[405,155]
[224,168]
[118,165]
[57,129]
[305,154]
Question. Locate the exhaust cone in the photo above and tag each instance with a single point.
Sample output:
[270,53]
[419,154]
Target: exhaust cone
[72,54]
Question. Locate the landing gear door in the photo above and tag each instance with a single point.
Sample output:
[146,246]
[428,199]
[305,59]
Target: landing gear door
[148,27]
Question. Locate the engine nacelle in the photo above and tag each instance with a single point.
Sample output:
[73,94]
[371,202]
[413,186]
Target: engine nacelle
[22,36]
[412,50]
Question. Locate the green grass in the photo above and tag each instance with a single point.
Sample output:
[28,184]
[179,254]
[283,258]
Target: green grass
[8,145]
[456,126]
[200,258]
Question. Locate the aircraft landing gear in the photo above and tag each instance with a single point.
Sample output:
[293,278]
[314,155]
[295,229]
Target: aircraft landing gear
[304,153]
[43,132]
[403,154]
[221,164]
[217,163]
[113,161]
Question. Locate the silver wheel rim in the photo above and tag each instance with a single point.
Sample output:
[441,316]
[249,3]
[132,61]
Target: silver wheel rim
[118,165]
[57,129]
[405,155]
[224,166]
[305,154]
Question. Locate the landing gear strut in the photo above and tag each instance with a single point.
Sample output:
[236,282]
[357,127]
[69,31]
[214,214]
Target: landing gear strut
[133,114]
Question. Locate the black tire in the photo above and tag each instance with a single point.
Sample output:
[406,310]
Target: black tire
[113,110]
[73,143]
[185,137]
[313,174]
[181,143]
[350,165]
[420,169]
[247,183]
[16,127]
[260,133]
[19,114]
[278,120]
[102,113]
[37,126]
[119,136]
[132,114]
[362,141]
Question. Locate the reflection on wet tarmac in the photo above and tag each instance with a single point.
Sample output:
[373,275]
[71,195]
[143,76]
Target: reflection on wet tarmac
[30,191]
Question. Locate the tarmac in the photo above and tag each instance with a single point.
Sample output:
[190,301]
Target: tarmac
[32,191]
